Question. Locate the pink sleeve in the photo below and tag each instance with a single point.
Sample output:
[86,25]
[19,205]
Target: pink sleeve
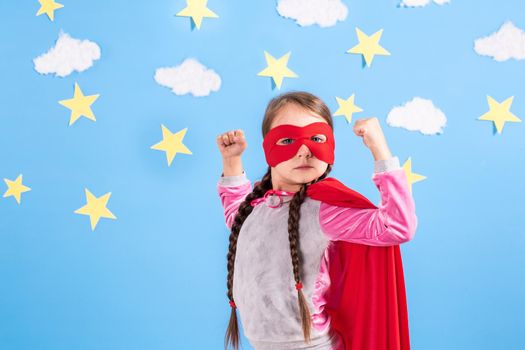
[232,191]
[393,222]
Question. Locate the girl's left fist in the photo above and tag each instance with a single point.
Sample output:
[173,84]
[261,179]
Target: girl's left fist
[370,130]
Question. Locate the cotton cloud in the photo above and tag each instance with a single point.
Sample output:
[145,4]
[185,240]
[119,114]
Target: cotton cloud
[190,77]
[418,115]
[324,13]
[508,42]
[68,55]
[421,3]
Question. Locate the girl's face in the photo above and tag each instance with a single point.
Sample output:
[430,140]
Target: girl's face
[287,175]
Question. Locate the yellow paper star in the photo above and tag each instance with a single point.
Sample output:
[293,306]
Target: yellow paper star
[277,69]
[347,108]
[96,208]
[80,105]
[411,177]
[171,143]
[499,113]
[48,7]
[368,46]
[15,188]
[197,10]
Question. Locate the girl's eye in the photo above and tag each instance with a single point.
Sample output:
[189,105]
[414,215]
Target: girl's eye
[284,141]
[316,138]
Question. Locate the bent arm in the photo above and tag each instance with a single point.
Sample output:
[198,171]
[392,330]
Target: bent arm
[393,222]
[232,191]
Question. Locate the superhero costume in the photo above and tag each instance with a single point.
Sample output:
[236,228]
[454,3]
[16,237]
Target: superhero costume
[359,290]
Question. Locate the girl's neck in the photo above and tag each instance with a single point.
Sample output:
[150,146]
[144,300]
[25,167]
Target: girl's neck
[286,187]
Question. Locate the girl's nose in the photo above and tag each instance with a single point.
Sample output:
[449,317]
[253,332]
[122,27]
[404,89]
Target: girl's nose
[304,151]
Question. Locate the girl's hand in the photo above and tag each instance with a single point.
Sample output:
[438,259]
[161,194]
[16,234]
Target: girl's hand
[232,143]
[373,137]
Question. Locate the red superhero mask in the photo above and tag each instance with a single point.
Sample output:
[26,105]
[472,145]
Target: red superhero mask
[276,154]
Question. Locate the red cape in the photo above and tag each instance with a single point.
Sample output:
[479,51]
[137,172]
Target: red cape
[367,299]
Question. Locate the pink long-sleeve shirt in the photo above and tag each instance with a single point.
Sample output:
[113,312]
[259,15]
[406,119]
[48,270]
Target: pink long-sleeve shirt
[393,222]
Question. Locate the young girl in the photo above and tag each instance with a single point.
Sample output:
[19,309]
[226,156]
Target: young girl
[312,264]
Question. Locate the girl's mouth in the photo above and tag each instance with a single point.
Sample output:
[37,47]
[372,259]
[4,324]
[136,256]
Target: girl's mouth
[304,167]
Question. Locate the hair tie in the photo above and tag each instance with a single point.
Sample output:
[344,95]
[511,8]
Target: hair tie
[298,285]
[232,304]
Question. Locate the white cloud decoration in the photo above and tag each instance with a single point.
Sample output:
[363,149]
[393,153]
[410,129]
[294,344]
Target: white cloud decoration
[190,77]
[68,55]
[508,42]
[419,114]
[422,3]
[324,13]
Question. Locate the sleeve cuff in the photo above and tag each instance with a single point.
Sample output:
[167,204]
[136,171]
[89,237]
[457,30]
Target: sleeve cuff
[383,165]
[234,180]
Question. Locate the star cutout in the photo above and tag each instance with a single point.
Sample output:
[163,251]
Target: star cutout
[499,113]
[48,7]
[347,108]
[171,143]
[368,46]
[197,10]
[411,177]
[15,188]
[96,208]
[277,69]
[80,105]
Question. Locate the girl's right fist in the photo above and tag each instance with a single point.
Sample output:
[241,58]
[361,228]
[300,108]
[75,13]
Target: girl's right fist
[232,143]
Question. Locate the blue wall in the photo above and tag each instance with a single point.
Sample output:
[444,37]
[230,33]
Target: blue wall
[155,277]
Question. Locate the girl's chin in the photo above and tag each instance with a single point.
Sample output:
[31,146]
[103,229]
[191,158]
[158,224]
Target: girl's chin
[304,179]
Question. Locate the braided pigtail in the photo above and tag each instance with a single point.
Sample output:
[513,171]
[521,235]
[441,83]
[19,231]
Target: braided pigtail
[293,236]
[232,333]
